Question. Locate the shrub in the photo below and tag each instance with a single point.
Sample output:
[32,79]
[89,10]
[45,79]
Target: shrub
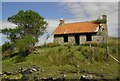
[69,46]
[100,21]
[97,53]
[49,45]
[86,52]
[59,49]
[7,50]
[92,44]
[79,48]
[104,45]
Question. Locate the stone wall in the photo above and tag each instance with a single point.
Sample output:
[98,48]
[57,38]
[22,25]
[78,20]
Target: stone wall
[58,39]
[96,39]
[71,39]
[82,38]
[104,33]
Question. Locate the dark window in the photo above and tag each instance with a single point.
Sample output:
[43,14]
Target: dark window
[88,37]
[65,38]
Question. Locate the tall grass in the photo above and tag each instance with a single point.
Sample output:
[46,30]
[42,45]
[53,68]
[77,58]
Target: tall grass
[68,55]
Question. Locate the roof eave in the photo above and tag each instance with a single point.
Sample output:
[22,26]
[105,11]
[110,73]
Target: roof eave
[74,33]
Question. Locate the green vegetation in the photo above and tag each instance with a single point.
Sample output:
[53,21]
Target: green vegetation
[73,61]
[100,21]
[30,25]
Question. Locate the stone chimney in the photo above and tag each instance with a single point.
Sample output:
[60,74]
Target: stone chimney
[104,17]
[61,21]
[104,32]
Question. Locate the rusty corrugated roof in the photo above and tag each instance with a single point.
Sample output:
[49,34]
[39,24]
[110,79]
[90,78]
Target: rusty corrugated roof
[78,27]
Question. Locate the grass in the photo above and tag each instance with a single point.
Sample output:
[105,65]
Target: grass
[73,61]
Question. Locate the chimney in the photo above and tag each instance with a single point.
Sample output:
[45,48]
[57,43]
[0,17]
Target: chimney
[61,21]
[104,17]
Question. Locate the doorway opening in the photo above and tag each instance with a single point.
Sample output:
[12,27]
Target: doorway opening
[77,39]
[65,38]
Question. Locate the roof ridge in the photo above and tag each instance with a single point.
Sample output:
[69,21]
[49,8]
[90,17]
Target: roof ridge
[77,22]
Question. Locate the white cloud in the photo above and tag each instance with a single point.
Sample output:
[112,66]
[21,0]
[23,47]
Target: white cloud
[52,24]
[3,39]
[5,24]
[88,0]
[113,24]
[60,1]
[90,9]
[29,0]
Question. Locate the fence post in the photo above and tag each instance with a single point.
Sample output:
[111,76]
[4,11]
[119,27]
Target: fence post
[93,53]
[90,45]
[107,52]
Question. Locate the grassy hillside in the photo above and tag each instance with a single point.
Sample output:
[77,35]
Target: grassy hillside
[72,61]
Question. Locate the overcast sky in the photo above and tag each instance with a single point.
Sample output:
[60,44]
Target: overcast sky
[70,11]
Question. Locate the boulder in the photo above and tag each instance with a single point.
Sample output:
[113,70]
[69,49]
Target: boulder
[86,78]
[28,70]
[25,78]
[7,73]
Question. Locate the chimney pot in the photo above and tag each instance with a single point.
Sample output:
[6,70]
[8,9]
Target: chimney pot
[61,21]
[104,16]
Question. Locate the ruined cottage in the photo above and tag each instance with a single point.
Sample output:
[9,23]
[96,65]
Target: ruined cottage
[82,32]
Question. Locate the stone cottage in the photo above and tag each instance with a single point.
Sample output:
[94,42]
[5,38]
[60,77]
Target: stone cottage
[81,32]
